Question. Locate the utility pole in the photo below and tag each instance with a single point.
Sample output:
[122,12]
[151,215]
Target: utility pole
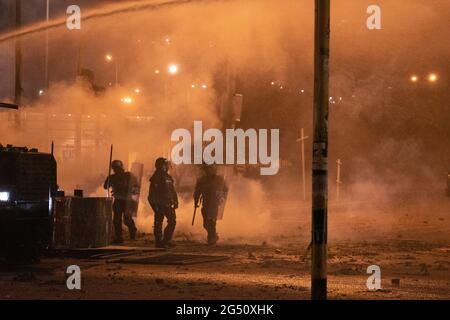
[302,140]
[18,64]
[47,46]
[18,55]
[338,178]
[320,152]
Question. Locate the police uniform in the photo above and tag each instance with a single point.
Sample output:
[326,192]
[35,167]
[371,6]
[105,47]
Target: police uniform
[121,191]
[213,190]
[163,200]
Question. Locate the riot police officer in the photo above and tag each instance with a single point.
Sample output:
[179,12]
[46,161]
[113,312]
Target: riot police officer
[213,190]
[164,201]
[122,186]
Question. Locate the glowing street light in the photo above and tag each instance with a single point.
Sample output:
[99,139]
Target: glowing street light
[127,100]
[432,77]
[137,90]
[414,78]
[109,58]
[173,69]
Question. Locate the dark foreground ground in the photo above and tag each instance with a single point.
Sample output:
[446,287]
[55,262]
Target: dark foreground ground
[411,246]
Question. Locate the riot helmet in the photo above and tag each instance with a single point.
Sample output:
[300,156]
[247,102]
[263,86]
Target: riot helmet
[117,166]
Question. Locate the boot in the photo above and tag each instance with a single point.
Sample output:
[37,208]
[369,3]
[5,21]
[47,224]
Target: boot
[133,232]
[169,244]
[160,245]
[213,239]
[118,241]
[118,238]
[158,242]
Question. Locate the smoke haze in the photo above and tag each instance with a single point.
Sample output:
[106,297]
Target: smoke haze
[391,137]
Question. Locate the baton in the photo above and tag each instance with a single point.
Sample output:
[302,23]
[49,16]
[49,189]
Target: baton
[109,169]
[195,209]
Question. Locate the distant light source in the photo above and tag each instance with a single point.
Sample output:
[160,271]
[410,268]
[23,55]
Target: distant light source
[432,77]
[272,83]
[192,85]
[173,68]
[302,91]
[4,196]
[204,86]
[414,78]
[156,71]
[126,100]
[137,90]
[108,57]
[41,92]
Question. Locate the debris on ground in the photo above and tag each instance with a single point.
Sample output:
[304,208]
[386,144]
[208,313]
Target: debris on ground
[25,277]
[395,282]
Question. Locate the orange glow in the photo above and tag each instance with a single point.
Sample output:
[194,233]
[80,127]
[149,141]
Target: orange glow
[126,100]
[432,77]
[173,68]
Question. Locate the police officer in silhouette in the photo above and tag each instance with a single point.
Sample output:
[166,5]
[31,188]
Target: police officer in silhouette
[123,185]
[164,201]
[213,190]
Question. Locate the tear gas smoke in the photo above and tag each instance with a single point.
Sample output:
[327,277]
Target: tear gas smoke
[391,144]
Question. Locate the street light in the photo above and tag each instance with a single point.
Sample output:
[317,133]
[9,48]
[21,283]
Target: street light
[109,58]
[414,78]
[47,45]
[127,100]
[173,68]
[432,77]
